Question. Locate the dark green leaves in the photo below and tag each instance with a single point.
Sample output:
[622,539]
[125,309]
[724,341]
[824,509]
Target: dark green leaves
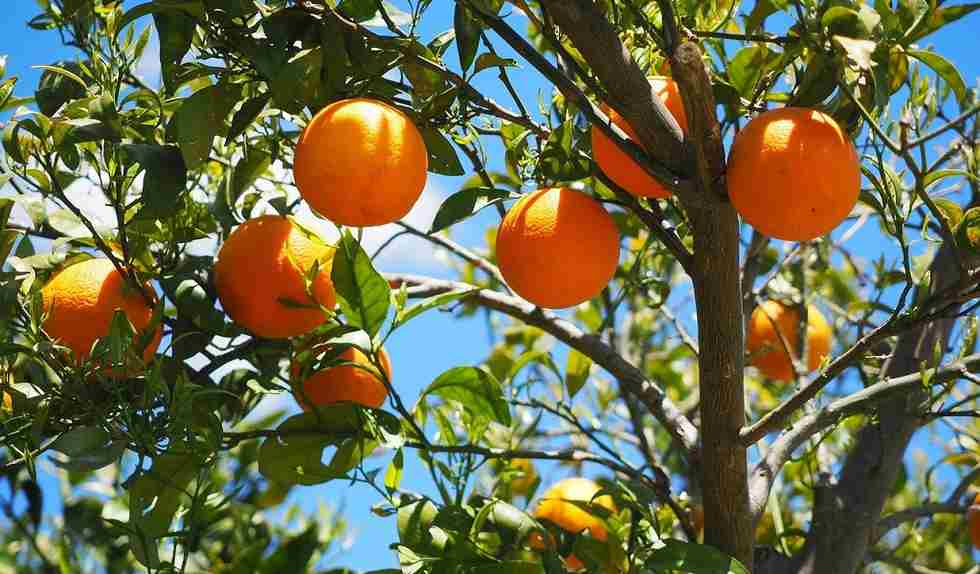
[165,179]
[363,293]
[442,156]
[154,497]
[468,31]
[175,31]
[294,555]
[58,87]
[560,159]
[87,448]
[294,455]
[748,66]
[200,118]
[475,389]
[465,203]
[677,556]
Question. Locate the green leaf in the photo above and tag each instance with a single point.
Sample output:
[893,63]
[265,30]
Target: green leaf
[747,68]
[939,18]
[475,389]
[87,449]
[693,559]
[968,232]
[246,115]
[576,372]
[294,554]
[59,85]
[364,295]
[488,60]
[946,70]
[442,157]
[165,177]
[246,171]
[393,476]
[200,118]
[410,313]
[191,7]
[175,31]
[154,497]
[464,204]
[468,30]
[294,455]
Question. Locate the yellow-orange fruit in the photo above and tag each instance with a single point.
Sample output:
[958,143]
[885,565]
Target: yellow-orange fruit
[361,162]
[260,277]
[793,174]
[772,319]
[620,167]
[521,483]
[557,247]
[555,506]
[81,299]
[973,521]
[346,382]
[8,402]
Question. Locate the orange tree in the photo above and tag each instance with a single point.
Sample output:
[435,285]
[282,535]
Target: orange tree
[839,238]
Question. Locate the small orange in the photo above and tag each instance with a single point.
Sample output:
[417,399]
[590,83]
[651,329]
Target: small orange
[346,382]
[793,174]
[557,247]
[81,299]
[973,521]
[522,474]
[555,506]
[260,277]
[767,350]
[620,168]
[361,162]
[8,402]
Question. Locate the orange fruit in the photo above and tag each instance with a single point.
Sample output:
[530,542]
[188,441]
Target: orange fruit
[973,520]
[557,247]
[767,350]
[81,299]
[361,162]
[522,475]
[620,168]
[8,402]
[346,382]
[260,276]
[555,506]
[793,174]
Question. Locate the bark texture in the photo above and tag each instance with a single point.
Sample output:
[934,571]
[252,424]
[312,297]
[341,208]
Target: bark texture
[846,512]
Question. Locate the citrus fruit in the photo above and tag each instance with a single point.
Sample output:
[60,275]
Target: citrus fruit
[8,402]
[361,162]
[973,521]
[80,300]
[346,382]
[620,167]
[557,247]
[556,507]
[772,319]
[260,276]
[793,174]
[522,475]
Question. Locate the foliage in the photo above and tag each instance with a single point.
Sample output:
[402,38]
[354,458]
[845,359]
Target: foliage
[168,472]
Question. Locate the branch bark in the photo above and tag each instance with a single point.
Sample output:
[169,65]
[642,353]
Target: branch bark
[844,525]
[633,379]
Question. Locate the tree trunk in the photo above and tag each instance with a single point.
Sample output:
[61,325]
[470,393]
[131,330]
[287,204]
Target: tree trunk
[845,513]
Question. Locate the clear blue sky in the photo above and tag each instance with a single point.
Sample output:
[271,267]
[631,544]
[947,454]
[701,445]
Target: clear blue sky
[434,342]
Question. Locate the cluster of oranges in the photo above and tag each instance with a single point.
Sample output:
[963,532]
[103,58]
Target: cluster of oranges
[361,162]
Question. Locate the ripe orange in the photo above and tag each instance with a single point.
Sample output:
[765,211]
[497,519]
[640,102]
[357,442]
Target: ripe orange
[8,402]
[973,521]
[620,167]
[557,247]
[522,473]
[555,506]
[260,277]
[81,299]
[766,348]
[793,174]
[346,382]
[361,162]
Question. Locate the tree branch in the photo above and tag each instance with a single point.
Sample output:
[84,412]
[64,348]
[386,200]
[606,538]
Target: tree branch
[634,380]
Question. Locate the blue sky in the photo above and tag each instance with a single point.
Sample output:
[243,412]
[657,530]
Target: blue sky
[434,342]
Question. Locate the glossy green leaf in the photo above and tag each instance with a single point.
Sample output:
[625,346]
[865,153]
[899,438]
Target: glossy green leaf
[475,389]
[677,556]
[576,372]
[364,295]
[154,497]
[442,156]
[464,204]
[165,177]
[200,118]
[433,302]
[468,30]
